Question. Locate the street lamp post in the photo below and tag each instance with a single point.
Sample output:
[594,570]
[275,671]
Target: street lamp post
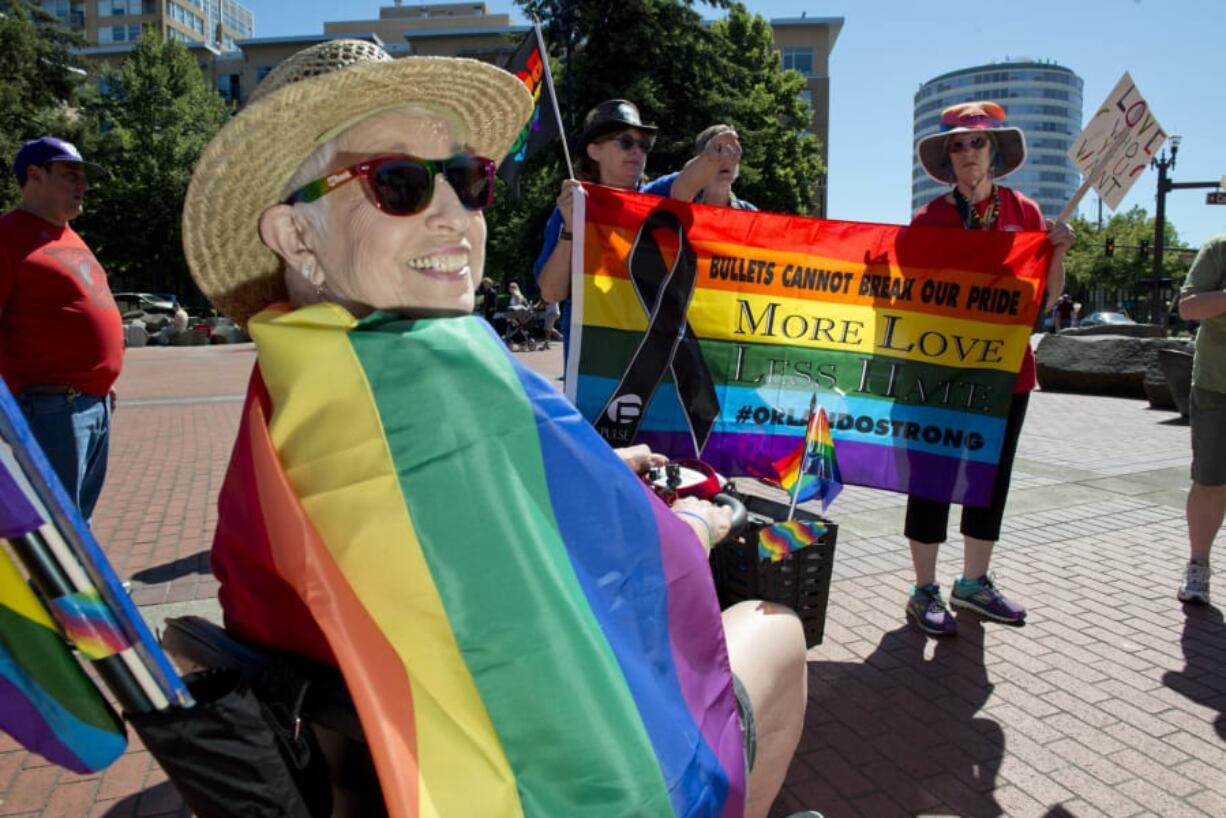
[1163,164]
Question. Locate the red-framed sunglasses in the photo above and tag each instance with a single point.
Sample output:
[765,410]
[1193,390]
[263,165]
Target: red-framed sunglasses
[402,185]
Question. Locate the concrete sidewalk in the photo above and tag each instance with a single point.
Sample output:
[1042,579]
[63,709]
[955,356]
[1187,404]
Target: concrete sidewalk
[1110,701]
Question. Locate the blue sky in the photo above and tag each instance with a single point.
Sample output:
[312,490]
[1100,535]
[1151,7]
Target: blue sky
[1173,48]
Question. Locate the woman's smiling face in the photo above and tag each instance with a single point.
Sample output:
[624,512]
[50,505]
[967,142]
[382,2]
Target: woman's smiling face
[427,263]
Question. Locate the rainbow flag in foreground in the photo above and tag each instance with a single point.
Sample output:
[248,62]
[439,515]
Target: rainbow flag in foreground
[525,628]
[47,702]
[703,331]
[812,470]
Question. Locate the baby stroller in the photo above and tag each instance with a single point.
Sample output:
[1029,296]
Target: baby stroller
[519,320]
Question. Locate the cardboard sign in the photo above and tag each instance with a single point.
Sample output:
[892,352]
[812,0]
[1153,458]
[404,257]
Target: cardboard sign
[1118,142]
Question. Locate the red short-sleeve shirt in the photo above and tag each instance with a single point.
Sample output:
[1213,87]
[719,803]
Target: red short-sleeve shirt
[1017,212]
[58,322]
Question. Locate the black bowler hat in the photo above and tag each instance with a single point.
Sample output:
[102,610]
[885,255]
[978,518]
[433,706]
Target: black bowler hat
[610,116]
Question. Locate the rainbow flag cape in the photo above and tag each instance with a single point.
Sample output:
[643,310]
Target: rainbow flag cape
[524,627]
[812,470]
[777,540]
[702,332]
[47,702]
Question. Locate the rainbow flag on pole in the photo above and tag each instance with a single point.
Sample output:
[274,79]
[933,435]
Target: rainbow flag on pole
[525,628]
[812,470]
[47,702]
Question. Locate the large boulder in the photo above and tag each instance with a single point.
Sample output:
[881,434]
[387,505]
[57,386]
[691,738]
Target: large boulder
[1157,389]
[1127,330]
[1103,364]
[1176,366]
[189,338]
[135,334]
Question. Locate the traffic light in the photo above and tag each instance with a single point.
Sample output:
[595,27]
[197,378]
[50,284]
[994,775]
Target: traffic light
[1109,247]
[1143,250]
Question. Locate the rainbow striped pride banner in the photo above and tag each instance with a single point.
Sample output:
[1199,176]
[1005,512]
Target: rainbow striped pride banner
[524,627]
[704,331]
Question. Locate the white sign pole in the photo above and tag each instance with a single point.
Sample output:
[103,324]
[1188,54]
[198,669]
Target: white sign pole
[1093,175]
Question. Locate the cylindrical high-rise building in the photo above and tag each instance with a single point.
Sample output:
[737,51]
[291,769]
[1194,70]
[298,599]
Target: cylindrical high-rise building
[1041,98]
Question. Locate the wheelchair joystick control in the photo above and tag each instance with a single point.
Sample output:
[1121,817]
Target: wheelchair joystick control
[672,470]
[693,478]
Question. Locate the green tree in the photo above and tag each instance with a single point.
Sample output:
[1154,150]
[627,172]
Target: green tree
[684,75]
[782,160]
[38,91]
[156,114]
[1087,264]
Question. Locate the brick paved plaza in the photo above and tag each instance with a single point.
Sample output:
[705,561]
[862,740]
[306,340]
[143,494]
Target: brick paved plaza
[1111,701]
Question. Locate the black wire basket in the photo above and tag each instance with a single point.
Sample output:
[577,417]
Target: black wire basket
[801,580]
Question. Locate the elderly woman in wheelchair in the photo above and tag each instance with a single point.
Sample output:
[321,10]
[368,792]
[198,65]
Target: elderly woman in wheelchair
[522,627]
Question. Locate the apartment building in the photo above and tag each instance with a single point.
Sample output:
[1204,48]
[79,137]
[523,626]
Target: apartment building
[221,35]
[107,24]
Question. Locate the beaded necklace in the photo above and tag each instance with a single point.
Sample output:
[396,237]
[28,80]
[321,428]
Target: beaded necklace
[971,219]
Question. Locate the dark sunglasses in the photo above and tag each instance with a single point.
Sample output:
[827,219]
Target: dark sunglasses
[973,143]
[402,185]
[628,143]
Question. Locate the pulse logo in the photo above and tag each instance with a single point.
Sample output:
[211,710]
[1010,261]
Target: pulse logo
[625,409]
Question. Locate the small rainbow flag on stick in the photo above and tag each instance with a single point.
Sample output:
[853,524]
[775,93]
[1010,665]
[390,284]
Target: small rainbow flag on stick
[812,470]
[777,540]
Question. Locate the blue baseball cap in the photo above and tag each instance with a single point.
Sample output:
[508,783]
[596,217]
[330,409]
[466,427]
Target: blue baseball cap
[47,149]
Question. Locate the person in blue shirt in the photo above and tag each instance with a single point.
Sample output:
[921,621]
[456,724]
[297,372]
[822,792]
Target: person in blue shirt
[612,151]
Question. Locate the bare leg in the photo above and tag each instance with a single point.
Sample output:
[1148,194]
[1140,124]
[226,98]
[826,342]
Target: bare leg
[924,558]
[976,557]
[1206,509]
[766,648]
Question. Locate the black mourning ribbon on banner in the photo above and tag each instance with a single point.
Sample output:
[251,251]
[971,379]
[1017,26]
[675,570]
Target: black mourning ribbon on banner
[668,345]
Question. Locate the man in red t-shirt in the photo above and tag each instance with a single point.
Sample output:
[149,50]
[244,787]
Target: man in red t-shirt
[61,337]
[972,149]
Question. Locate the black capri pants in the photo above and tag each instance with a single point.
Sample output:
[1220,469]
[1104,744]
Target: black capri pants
[928,520]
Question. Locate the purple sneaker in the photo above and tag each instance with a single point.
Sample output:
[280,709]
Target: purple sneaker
[927,610]
[980,595]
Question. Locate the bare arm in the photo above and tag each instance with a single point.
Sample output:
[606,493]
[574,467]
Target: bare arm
[1199,306]
[710,522]
[640,458]
[554,280]
[555,274]
[1204,296]
[1061,237]
[724,150]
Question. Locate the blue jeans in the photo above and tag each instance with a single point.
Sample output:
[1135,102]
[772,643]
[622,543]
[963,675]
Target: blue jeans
[75,434]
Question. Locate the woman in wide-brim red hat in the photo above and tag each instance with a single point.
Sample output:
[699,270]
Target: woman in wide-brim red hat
[971,151]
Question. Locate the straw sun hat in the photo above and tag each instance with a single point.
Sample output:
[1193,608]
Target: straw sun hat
[305,101]
[972,117]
